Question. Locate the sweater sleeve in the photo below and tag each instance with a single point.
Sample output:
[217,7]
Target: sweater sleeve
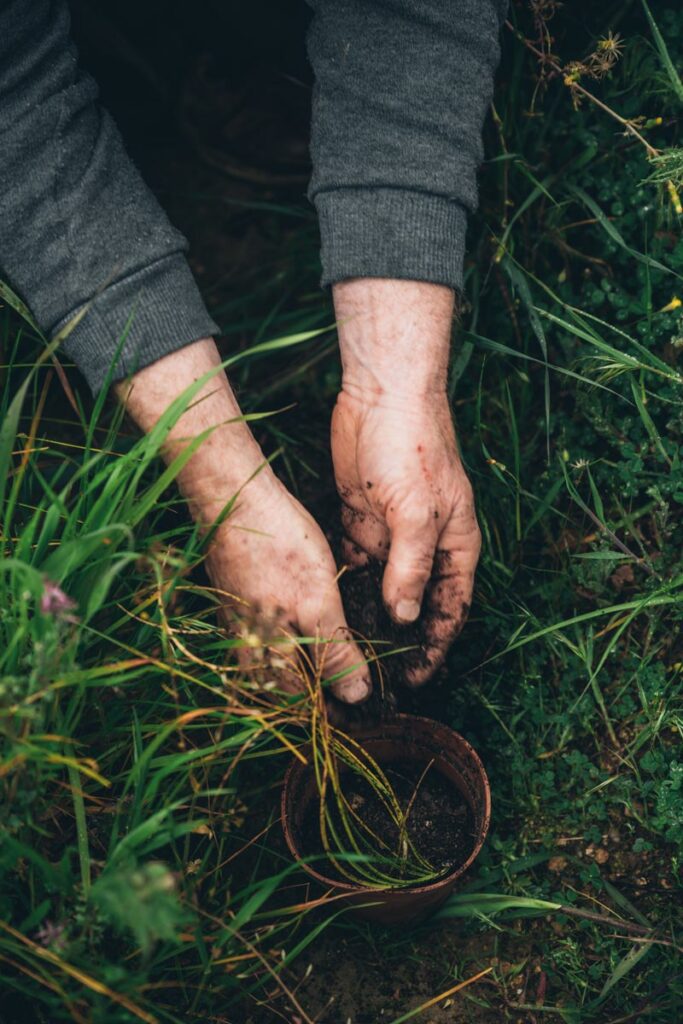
[401,91]
[78,226]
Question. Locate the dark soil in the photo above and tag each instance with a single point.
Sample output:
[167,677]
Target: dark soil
[362,595]
[440,822]
[361,591]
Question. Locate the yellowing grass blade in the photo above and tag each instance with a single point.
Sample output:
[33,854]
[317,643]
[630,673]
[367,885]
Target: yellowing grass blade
[443,995]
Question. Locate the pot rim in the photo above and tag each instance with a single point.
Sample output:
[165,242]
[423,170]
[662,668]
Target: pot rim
[350,888]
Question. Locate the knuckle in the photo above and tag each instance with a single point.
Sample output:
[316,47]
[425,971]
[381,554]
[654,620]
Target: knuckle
[336,655]
[413,516]
[415,563]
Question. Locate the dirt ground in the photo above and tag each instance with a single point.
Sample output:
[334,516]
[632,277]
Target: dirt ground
[364,976]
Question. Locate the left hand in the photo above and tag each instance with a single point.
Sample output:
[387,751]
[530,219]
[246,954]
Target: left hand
[406,497]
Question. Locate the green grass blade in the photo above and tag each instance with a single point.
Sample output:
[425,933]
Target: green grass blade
[664,55]
[616,236]
[631,960]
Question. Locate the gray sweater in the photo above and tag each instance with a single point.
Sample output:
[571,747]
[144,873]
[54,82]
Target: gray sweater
[402,87]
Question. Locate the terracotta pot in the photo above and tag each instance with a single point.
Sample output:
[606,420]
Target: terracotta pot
[403,738]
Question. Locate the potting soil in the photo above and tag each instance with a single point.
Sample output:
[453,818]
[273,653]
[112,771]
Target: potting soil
[439,823]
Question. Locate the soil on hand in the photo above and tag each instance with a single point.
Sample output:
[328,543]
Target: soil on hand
[398,648]
[362,595]
[440,824]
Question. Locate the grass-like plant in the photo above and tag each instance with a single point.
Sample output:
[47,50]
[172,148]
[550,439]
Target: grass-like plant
[339,762]
[356,852]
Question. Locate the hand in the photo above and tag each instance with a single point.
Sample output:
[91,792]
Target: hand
[269,553]
[272,554]
[406,497]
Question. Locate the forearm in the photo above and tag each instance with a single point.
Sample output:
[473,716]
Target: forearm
[229,456]
[78,226]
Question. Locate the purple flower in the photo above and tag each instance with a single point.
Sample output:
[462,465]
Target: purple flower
[51,934]
[55,602]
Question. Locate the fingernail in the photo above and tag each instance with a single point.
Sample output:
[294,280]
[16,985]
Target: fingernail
[407,611]
[355,692]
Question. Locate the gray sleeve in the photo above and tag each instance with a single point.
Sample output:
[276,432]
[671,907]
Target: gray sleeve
[77,223]
[401,91]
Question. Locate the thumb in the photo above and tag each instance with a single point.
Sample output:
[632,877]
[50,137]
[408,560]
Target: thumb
[338,657]
[409,566]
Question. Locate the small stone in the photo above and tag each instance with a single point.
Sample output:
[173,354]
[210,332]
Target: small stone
[557,864]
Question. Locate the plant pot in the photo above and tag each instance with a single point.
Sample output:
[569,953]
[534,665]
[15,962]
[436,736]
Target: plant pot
[405,737]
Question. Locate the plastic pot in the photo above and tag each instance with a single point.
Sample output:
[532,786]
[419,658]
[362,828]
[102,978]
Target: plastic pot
[405,737]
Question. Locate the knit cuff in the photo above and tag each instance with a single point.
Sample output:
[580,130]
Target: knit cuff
[389,232]
[136,321]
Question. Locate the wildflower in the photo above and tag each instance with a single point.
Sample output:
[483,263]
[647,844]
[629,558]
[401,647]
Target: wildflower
[675,303]
[56,603]
[573,73]
[612,44]
[51,935]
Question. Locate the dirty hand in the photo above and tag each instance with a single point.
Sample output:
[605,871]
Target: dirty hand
[406,497]
[269,553]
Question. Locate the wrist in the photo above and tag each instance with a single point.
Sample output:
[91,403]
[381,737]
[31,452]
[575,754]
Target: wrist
[228,464]
[394,338]
[228,459]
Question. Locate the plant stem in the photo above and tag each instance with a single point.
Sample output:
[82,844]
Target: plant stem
[615,922]
[558,69]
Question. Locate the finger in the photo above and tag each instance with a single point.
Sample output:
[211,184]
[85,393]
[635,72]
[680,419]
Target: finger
[449,594]
[413,540]
[267,655]
[444,614]
[286,671]
[368,533]
[339,658]
[352,554]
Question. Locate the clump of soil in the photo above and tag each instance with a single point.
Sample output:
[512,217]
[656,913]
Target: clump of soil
[361,591]
[440,824]
[366,614]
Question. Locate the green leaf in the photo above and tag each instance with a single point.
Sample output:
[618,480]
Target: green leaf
[648,423]
[75,553]
[15,303]
[625,904]
[263,891]
[632,958]
[8,434]
[609,228]
[520,283]
[487,904]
